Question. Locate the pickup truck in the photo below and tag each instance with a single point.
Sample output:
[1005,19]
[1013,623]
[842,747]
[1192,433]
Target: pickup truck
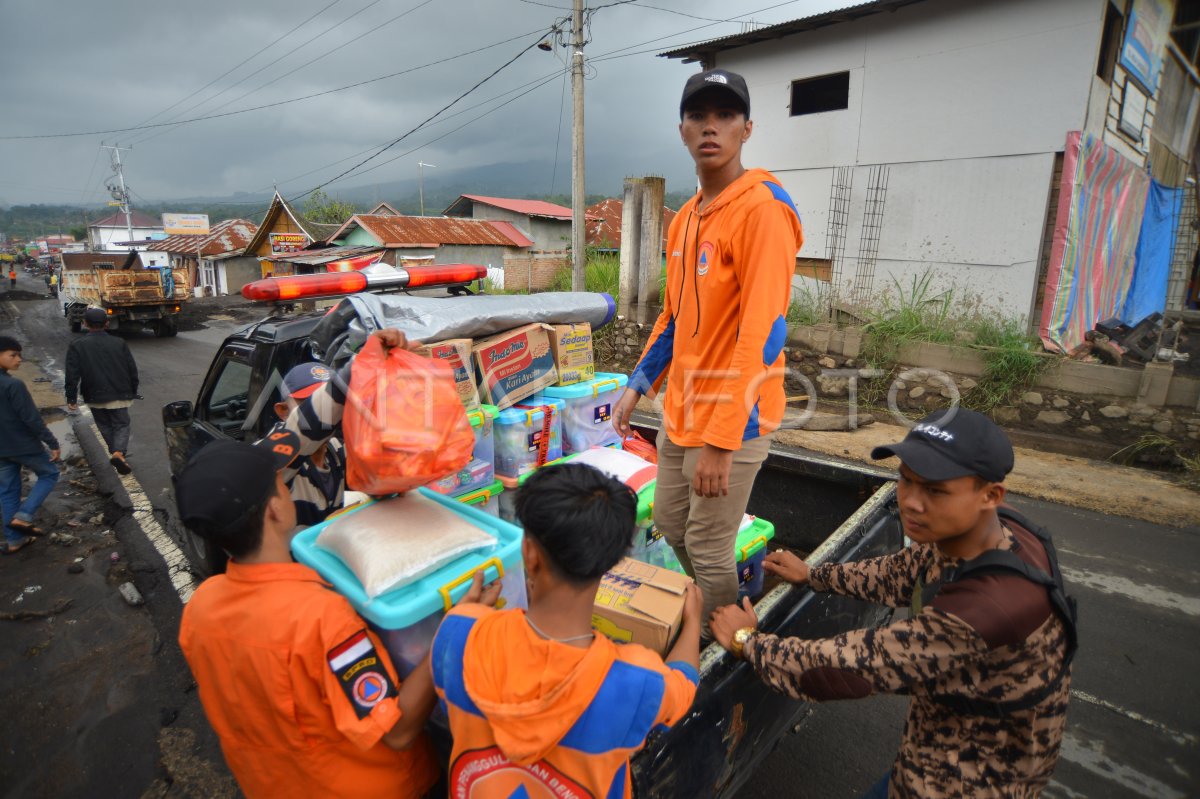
[134,295]
[825,509]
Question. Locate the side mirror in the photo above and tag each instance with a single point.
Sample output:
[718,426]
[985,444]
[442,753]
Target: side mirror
[177,414]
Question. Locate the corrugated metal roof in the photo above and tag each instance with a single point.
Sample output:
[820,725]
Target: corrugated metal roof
[136,219]
[704,51]
[229,236]
[604,223]
[432,231]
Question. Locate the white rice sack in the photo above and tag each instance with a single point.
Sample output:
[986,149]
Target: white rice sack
[398,541]
[624,466]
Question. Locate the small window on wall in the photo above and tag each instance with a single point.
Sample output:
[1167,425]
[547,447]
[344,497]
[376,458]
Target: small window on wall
[817,95]
[1110,41]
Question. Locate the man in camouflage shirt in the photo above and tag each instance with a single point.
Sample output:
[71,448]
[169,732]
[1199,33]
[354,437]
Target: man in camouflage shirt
[986,658]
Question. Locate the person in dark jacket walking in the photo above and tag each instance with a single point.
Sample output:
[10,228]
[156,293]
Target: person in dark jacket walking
[105,367]
[24,440]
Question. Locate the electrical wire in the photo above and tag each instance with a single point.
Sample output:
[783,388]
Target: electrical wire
[265,67]
[426,121]
[562,102]
[241,63]
[278,103]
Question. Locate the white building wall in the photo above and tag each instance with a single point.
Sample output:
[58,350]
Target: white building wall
[966,101]
[103,238]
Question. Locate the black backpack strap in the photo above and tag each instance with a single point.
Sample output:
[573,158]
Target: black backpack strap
[991,562]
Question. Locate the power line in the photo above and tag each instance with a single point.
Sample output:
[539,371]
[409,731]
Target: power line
[276,104]
[265,67]
[243,62]
[427,120]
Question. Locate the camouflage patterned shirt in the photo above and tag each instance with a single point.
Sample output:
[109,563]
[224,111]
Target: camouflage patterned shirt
[994,637]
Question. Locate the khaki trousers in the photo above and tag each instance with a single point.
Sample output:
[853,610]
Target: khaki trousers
[702,530]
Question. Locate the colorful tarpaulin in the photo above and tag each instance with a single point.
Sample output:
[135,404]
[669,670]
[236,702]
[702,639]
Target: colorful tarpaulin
[1100,210]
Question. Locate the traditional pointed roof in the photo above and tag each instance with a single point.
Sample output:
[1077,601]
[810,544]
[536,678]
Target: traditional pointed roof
[317,232]
[383,209]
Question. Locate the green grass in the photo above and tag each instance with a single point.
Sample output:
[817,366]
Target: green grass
[1011,363]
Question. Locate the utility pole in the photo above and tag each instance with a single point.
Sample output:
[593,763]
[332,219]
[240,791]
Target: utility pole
[421,182]
[121,193]
[578,195]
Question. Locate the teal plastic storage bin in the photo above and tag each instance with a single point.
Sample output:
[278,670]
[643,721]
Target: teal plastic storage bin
[487,499]
[481,471]
[587,419]
[518,432]
[407,617]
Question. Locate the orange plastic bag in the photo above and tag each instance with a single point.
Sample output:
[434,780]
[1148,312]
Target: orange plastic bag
[404,424]
[638,445]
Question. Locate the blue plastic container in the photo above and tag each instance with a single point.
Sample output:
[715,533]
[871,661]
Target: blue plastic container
[407,617]
[587,419]
[517,433]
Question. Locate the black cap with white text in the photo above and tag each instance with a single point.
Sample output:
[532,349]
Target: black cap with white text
[716,80]
[953,443]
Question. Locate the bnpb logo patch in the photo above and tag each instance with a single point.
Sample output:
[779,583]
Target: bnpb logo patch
[704,258]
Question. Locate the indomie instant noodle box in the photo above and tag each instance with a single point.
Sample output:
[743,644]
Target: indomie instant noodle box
[515,364]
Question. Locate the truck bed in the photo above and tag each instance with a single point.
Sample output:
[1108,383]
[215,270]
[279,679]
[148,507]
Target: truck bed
[103,287]
[838,513]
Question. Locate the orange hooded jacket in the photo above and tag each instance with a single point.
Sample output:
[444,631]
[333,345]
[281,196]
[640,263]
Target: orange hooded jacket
[544,720]
[719,339]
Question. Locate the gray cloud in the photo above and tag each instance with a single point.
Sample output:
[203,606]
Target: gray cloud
[69,66]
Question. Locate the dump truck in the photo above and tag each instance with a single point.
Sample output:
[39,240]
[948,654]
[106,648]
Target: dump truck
[133,294]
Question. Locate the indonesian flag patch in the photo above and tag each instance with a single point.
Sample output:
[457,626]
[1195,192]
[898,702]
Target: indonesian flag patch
[361,673]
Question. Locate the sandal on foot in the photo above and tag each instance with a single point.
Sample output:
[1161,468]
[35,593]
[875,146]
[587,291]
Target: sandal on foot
[25,527]
[12,549]
[120,465]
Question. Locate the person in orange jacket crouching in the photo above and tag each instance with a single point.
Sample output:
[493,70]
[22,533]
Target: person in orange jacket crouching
[301,694]
[540,706]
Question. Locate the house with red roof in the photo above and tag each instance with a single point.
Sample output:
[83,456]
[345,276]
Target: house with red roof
[114,234]
[434,239]
[547,225]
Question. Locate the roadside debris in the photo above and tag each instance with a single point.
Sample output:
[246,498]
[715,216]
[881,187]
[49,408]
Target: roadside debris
[26,615]
[131,595]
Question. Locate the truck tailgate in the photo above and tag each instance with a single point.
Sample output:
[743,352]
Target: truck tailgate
[736,720]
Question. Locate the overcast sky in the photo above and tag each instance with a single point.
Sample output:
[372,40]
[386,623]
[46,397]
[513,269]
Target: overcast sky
[68,66]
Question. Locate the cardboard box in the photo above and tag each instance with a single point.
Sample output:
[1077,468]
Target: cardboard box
[572,348]
[456,351]
[640,603]
[515,364]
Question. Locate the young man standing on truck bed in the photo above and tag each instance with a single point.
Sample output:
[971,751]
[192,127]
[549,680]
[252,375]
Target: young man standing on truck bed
[317,482]
[24,439]
[731,254]
[986,649]
[105,366]
[539,704]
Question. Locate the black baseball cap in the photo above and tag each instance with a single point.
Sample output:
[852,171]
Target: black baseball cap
[954,443]
[716,80]
[95,316]
[227,478]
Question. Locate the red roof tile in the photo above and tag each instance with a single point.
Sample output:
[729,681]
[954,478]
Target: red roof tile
[604,223]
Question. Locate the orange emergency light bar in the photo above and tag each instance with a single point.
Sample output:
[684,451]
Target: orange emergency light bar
[291,288]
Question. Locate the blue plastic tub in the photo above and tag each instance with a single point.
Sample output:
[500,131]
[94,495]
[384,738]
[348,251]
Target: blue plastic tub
[587,419]
[517,433]
[407,617]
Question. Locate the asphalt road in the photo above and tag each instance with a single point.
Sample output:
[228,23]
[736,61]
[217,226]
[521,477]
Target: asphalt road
[1134,723]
